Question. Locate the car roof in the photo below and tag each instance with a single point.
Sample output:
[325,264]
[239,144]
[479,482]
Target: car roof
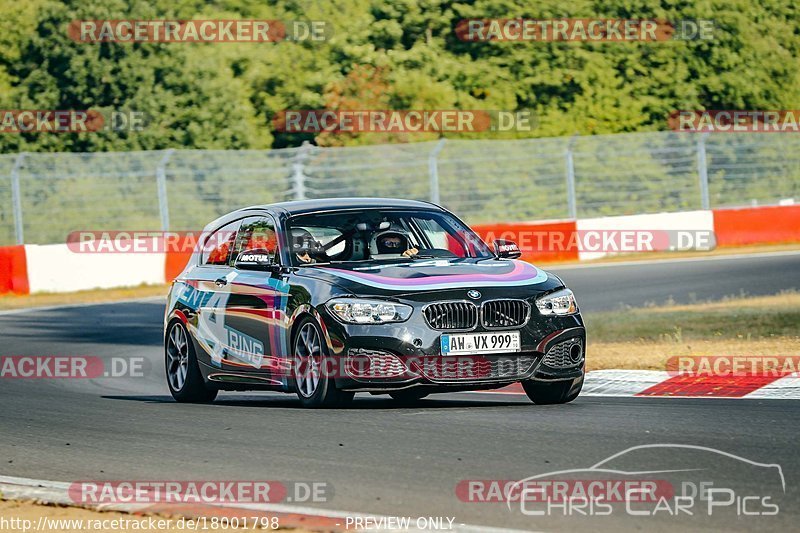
[329,204]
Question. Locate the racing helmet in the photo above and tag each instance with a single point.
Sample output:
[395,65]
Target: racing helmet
[389,242]
[304,242]
[301,238]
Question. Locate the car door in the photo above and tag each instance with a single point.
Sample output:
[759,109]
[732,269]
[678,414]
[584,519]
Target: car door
[255,309]
[208,291]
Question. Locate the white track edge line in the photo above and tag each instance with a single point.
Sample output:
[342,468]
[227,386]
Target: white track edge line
[57,492]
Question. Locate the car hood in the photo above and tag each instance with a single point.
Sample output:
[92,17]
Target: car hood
[433,275]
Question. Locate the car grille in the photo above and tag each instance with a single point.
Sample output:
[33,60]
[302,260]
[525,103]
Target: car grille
[562,355]
[452,315]
[504,313]
[475,368]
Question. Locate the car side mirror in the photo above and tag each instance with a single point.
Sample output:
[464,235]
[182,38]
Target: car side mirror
[504,249]
[260,260]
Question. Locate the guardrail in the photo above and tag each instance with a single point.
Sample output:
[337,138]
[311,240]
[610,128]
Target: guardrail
[45,196]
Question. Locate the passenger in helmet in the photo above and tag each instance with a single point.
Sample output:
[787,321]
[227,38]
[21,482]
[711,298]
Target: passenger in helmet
[302,242]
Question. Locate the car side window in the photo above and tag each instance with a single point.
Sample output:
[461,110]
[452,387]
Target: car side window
[218,246]
[256,233]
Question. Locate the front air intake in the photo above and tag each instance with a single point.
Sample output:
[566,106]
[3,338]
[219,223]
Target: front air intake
[565,354]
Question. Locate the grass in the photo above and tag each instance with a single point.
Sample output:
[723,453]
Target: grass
[45,299]
[644,338]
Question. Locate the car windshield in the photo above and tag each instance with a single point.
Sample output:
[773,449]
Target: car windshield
[381,235]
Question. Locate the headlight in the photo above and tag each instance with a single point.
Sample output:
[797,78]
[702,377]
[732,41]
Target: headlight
[358,311]
[558,303]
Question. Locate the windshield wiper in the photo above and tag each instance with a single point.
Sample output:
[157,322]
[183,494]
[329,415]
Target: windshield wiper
[430,256]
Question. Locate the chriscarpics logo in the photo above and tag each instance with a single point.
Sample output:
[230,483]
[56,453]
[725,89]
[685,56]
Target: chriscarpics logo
[677,482]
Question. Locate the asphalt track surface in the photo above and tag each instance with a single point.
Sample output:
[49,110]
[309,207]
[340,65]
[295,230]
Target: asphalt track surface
[617,285]
[385,459]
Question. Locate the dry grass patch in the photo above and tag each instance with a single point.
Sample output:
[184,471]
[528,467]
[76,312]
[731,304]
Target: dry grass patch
[646,338]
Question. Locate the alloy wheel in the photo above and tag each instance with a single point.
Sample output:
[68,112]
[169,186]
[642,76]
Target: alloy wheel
[177,357]
[308,360]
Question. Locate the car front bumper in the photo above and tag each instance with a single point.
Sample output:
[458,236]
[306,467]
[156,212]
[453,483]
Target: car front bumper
[387,357]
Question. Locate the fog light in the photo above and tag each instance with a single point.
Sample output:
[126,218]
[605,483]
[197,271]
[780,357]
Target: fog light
[576,352]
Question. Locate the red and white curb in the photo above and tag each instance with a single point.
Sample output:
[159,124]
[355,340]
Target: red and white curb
[654,383]
[290,516]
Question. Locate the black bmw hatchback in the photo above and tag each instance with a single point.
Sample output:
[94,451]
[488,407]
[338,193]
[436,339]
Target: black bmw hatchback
[326,298]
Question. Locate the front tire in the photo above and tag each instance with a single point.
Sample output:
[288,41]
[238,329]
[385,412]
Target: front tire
[315,388]
[185,381]
[551,393]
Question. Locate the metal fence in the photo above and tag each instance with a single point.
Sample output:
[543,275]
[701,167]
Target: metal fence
[44,196]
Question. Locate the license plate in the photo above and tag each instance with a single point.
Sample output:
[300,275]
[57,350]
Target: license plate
[475,343]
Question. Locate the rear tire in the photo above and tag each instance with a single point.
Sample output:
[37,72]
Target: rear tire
[544,393]
[184,379]
[315,388]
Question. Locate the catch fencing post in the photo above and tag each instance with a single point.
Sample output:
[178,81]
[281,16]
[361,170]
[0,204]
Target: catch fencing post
[702,171]
[161,179]
[298,176]
[572,208]
[433,170]
[16,198]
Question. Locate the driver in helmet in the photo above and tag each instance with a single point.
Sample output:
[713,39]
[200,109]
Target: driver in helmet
[392,243]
